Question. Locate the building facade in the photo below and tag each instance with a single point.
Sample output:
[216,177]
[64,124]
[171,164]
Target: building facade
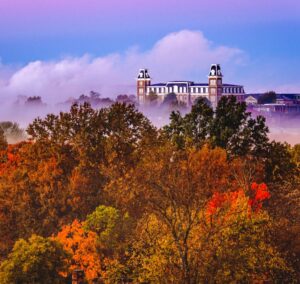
[187,91]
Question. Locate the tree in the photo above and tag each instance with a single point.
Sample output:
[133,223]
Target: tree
[230,127]
[38,260]
[152,98]
[279,166]
[82,246]
[172,102]
[267,98]
[228,245]
[3,141]
[193,128]
[110,226]
[233,129]
[174,186]
[12,131]
[34,191]
[295,151]
[283,177]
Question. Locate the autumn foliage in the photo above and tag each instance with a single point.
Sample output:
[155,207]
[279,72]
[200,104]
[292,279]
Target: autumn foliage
[206,199]
[82,246]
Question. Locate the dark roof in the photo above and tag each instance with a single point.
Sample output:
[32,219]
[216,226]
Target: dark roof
[288,96]
[179,83]
[231,85]
[192,84]
[278,96]
[158,85]
[200,84]
[183,84]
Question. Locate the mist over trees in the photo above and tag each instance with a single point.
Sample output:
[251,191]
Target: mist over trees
[207,198]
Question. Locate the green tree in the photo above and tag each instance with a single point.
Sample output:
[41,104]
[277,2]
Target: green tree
[110,226]
[38,260]
[233,129]
[280,167]
[193,128]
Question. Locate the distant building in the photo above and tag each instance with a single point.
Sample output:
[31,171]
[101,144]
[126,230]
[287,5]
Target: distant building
[288,99]
[283,104]
[251,99]
[277,109]
[188,91]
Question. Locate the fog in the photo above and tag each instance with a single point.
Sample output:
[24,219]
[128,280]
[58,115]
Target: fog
[283,128]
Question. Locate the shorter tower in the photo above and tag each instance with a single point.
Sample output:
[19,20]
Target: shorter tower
[143,81]
[215,85]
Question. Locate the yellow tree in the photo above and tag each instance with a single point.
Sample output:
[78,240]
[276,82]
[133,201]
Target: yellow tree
[174,186]
[176,238]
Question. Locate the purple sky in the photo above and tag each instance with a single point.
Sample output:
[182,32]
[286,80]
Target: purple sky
[260,41]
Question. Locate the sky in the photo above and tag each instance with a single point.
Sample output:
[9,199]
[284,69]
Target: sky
[62,48]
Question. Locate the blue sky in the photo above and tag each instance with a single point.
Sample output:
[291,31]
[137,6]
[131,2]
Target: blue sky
[266,33]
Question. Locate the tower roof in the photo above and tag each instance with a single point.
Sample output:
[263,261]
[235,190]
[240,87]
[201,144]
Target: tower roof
[143,74]
[215,70]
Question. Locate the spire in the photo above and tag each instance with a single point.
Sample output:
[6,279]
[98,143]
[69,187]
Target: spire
[143,74]
[215,70]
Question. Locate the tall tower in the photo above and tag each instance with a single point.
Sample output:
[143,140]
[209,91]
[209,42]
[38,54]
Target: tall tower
[215,85]
[143,81]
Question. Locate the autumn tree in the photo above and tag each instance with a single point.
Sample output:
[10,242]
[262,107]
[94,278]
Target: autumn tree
[3,141]
[174,186]
[111,228]
[283,177]
[82,246]
[98,245]
[60,174]
[38,260]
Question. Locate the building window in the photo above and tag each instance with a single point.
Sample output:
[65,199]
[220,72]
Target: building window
[141,83]
[141,91]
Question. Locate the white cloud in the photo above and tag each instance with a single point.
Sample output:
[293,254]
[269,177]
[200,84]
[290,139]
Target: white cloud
[182,55]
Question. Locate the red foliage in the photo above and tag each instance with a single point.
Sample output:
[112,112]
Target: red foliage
[259,193]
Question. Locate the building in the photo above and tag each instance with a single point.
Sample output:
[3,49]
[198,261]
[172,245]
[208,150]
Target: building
[252,99]
[288,99]
[188,91]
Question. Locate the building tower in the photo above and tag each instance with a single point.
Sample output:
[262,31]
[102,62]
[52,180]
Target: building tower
[215,85]
[143,81]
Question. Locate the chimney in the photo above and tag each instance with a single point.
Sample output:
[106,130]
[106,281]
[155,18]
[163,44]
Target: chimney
[78,276]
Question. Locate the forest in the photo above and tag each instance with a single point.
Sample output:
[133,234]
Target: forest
[208,198]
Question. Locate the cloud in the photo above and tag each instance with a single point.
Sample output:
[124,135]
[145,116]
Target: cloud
[182,55]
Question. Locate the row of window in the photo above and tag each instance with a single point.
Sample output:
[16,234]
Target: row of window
[194,90]
[233,90]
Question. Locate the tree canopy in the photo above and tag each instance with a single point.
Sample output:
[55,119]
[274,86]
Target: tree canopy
[207,198]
